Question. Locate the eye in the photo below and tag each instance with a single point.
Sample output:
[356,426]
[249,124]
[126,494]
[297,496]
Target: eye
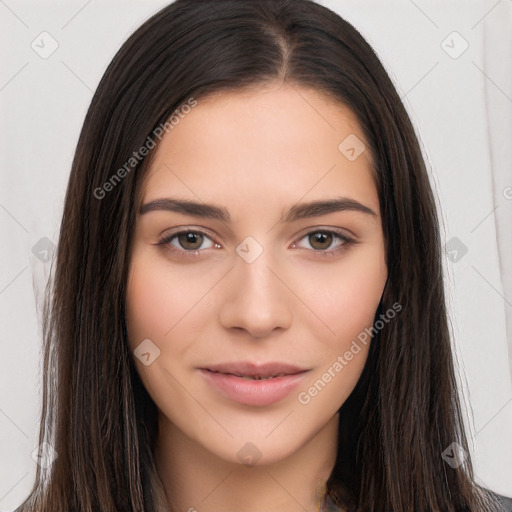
[187,242]
[322,239]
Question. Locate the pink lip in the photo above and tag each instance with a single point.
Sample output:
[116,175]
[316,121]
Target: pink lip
[226,377]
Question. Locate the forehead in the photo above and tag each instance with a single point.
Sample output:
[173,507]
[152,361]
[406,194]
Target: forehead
[283,141]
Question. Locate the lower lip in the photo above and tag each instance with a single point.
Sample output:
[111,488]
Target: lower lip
[253,392]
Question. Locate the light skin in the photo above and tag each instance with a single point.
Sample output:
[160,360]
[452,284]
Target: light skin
[255,153]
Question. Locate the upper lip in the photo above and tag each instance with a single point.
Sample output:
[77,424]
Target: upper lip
[248,369]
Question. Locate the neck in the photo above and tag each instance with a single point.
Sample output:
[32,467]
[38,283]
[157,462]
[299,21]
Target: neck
[196,480]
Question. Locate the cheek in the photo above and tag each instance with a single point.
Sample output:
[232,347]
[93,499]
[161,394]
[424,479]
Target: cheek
[347,305]
[349,295]
[149,303]
[158,308]
[158,300]
[358,295]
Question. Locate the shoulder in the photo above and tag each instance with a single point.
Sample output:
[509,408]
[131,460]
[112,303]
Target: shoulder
[506,502]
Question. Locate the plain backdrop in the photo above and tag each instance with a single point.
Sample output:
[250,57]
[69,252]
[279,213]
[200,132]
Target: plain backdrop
[451,62]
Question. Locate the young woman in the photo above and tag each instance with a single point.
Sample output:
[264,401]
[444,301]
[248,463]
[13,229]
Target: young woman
[248,309]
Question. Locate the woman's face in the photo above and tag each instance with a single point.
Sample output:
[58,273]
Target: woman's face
[258,284]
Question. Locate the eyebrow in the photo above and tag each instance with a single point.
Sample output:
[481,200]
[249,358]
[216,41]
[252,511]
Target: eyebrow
[296,212]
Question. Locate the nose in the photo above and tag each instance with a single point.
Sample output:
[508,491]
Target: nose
[257,300]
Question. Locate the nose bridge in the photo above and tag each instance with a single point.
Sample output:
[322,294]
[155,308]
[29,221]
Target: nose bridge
[257,300]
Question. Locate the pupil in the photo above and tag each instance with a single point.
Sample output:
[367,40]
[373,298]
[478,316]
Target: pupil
[190,238]
[321,237]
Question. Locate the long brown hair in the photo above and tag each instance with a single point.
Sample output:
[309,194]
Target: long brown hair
[96,414]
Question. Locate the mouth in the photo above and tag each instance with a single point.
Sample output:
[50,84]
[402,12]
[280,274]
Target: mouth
[250,384]
[253,371]
[254,377]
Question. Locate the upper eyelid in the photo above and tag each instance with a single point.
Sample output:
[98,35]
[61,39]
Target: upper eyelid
[187,229]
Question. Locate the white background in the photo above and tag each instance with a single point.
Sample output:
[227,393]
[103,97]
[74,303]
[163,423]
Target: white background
[461,107]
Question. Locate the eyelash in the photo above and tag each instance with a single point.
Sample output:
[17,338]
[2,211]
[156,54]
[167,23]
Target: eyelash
[165,241]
